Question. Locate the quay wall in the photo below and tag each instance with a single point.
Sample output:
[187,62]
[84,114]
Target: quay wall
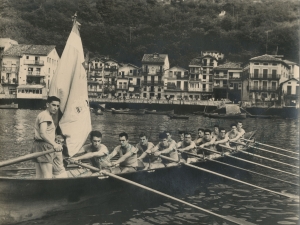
[180,107]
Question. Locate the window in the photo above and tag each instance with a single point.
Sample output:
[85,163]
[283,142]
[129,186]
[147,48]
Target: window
[289,90]
[130,71]
[27,57]
[204,77]
[274,64]
[256,71]
[265,64]
[256,63]
[265,73]
[274,72]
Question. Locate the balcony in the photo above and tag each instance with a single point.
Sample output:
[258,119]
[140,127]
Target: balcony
[111,69]
[265,76]
[256,88]
[220,76]
[207,90]
[10,69]
[9,81]
[219,86]
[36,74]
[182,77]
[91,81]
[96,68]
[153,83]
[34,62]
[234,78]
[195,79]
[122,87]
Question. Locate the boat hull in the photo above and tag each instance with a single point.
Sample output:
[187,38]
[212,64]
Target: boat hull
[160,112]
[227,116]
[129,112]
[11,106]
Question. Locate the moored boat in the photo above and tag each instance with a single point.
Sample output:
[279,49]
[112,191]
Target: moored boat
[231,112]
[128,111]
[9,106]
[159,112]
[174,116]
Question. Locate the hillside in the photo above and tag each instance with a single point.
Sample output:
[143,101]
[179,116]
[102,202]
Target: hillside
[125,30]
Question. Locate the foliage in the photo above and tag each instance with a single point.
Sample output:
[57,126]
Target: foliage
[125,30]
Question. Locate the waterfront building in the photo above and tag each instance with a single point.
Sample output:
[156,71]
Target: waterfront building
[153,68]
[201,77]
[263,74]
[227,81]
[293,70]
[95,76]
[177,80]
[289,92]
[27,70]
[128,81]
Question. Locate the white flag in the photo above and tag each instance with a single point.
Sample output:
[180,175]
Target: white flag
[70,85]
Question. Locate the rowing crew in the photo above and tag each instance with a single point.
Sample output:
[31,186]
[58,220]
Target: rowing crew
[51,164]
[146,155]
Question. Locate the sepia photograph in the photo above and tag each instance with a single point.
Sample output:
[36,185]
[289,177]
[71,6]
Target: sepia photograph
[148,112]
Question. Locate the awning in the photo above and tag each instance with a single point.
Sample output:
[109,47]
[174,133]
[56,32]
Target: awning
[131,89]
[32,86]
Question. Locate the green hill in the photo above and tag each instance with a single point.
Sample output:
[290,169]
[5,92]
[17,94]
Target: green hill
[125,30]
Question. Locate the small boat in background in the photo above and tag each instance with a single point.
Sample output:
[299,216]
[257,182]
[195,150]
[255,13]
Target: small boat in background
[170,112]
[178,117]
[231,112]
[98,112]
[9,106]
[129,111]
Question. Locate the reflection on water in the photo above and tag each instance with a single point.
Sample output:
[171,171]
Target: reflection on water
[219,195]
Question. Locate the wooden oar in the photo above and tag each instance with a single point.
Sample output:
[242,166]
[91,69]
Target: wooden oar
[262,157]
[24,158]
[158,192]
[230,178]
[254,163]
[250,171]
[265,150]
[271,146]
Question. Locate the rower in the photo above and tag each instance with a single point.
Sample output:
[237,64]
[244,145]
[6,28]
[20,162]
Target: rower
[180,137]
[167,148]
[145,146]
[233,135]
[208,142]
[216,131]
[221,139]
[96,152]
[128,155]
[198,141]
[170,140]
[240,129]
[189,146]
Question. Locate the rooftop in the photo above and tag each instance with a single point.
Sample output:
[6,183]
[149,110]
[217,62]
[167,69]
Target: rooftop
[229,65]
[19,50]
[154,58]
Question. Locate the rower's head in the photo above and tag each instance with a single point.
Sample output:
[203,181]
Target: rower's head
[181,135]
[216,128]
[59,139]
[123,138]
[96,138]
[207,134]
[168,133]
[233,127]
[187,137]
[143,139]
[163,138]
[53,104]
[200,132]
[222,132]
[239,125]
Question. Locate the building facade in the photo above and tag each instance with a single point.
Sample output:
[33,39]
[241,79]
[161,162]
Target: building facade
[264,74]
[228,81]
[27,70]
[289,92]
[153,69]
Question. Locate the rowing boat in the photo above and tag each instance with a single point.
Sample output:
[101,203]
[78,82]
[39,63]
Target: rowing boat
[27,198]
[9,106]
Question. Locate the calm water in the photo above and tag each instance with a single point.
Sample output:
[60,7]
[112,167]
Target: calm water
[220,196]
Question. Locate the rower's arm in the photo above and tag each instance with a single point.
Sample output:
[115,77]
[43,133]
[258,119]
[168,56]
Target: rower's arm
[113,153]
[191,146]
[169,149]
[125,156]
[212,141]
[237,137]
[148,151]
[222,141]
